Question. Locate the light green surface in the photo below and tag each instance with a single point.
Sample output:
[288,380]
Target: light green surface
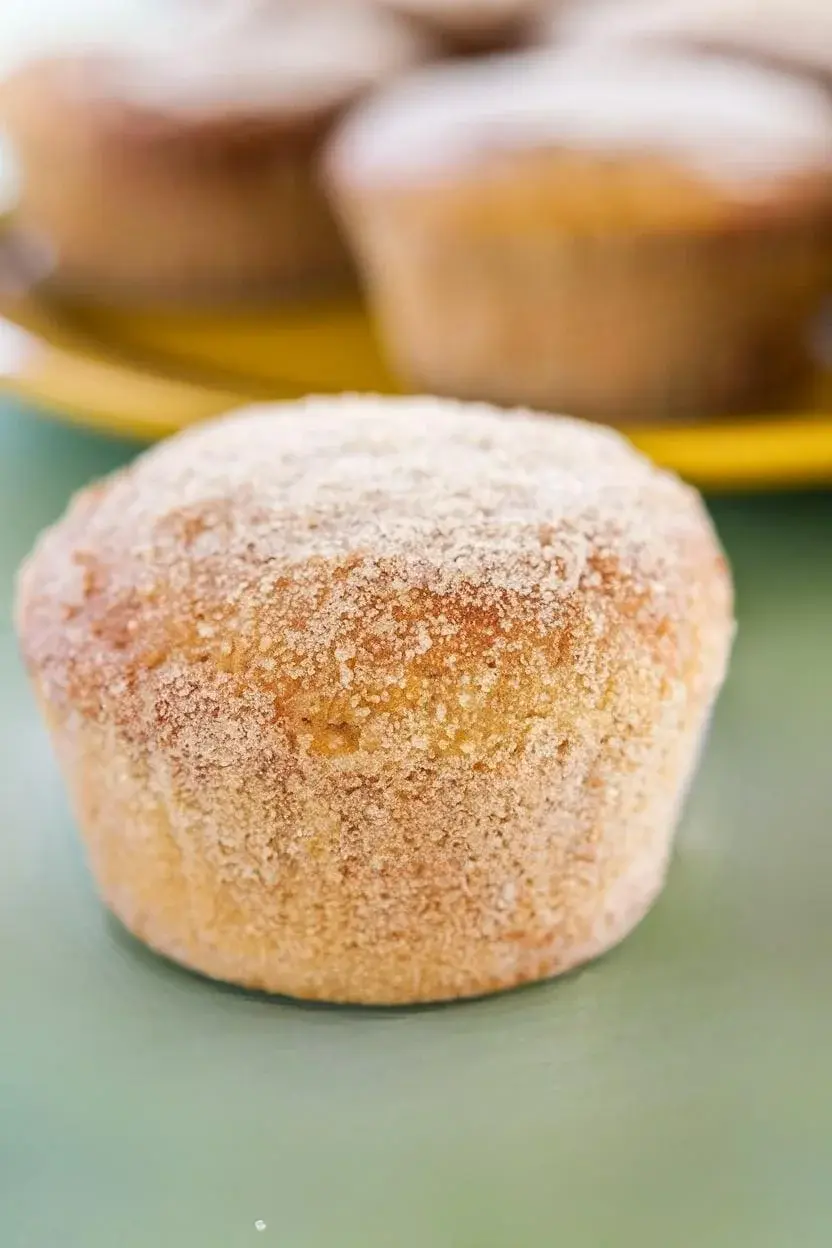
[676,1095]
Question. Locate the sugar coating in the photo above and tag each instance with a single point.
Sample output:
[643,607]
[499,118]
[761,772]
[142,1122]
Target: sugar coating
[452,497]
[290,57]
[379,700]
[783,28]
[735,123]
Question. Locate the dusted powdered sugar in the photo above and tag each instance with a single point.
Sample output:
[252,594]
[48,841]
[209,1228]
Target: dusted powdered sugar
[736,123]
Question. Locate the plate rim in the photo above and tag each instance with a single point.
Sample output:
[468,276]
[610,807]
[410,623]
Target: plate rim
[752,453]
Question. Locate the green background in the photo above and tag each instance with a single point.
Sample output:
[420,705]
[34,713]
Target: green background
[676,1094]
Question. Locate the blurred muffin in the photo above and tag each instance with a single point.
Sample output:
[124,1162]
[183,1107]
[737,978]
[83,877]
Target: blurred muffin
[473,25]
[626,238]
[790,34]
[190,172]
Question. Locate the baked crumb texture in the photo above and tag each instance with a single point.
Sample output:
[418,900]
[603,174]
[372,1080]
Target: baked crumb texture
[379,701]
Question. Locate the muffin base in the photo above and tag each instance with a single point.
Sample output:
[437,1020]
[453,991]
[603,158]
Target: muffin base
[225,232]
[621,329]
[323,926]
[543,965]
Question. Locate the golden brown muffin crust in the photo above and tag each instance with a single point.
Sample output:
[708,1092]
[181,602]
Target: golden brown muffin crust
[379,700]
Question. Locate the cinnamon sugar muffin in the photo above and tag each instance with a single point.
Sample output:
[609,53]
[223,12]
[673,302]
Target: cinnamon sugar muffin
[627,237]
[379,700]
[187,169]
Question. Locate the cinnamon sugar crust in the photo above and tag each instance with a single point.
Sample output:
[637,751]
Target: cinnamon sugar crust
[379,700]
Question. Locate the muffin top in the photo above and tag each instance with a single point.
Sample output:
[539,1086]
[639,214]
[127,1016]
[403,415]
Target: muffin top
[359,546]
[738,128]
[278,66]
[796,32]
[451,494]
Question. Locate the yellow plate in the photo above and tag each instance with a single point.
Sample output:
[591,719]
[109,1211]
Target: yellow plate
[147,373]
